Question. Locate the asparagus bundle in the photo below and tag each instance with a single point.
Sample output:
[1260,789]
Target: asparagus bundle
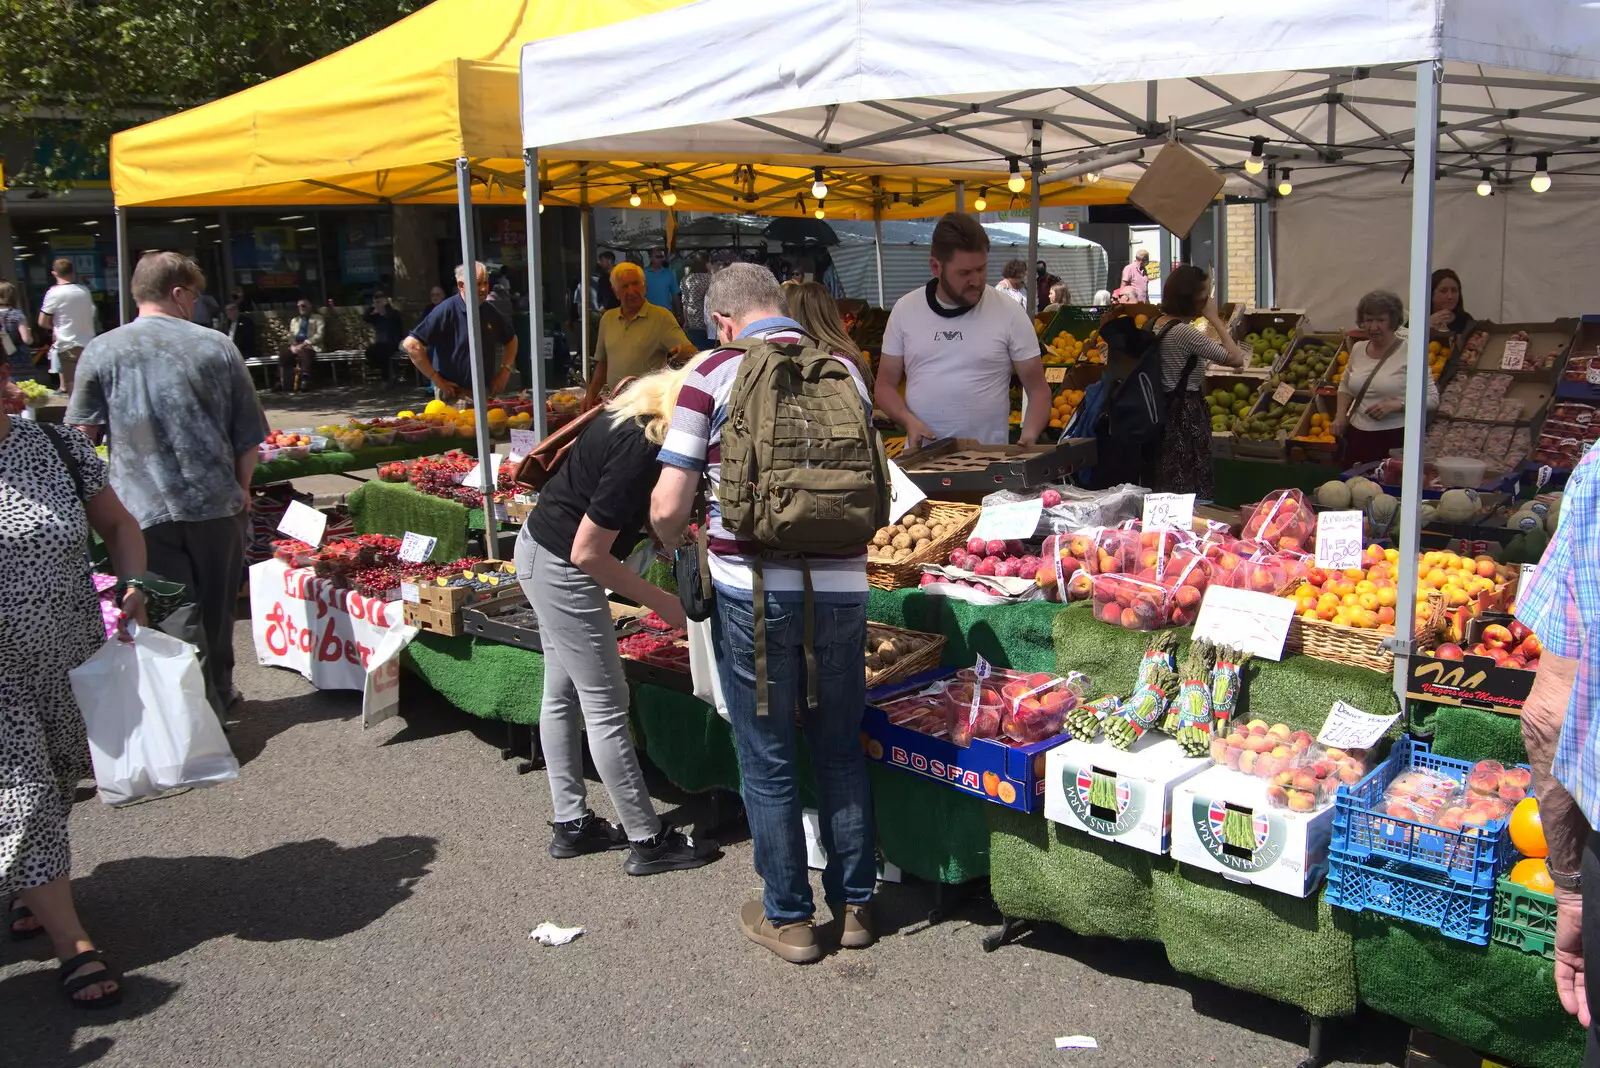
[1144,709]
[1226,681]
[1083,722]
[1159,653]
[1193,704]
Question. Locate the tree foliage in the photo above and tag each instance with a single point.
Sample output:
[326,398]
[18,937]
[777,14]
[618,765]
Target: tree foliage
[104,66]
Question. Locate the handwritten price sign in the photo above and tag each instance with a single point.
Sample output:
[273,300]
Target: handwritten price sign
[1515,356]
[1339,540]
[1175,510]
[1350,728]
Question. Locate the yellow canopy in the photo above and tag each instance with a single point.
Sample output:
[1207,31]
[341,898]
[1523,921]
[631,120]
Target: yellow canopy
[384,120]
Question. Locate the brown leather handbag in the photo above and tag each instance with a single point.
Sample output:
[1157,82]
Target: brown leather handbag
[540,465]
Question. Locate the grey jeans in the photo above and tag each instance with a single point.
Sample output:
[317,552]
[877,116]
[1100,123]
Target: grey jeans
[584,689]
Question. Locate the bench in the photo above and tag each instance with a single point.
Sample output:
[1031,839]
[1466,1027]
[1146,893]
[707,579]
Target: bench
[345,338]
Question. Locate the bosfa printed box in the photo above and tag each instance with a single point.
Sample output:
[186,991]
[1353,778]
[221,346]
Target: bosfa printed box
[1121,796]
[1223,822]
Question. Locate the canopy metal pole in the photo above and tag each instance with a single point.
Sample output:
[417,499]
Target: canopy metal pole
[531,191]
[586,264]
[1426,144]
[961,197]
[124,298]
[487,469]
[1219,251]
[1035,172]
[1164,251]
[877,246]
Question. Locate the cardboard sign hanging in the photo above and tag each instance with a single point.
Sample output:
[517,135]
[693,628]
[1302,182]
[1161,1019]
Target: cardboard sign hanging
[1176,189]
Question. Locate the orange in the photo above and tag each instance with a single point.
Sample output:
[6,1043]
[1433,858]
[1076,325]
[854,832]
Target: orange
[991,783]
[1008,796]
[1527,831]
[1534,874]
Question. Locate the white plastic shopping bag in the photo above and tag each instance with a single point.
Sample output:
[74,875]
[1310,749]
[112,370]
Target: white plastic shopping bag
[703,666]
[149,724]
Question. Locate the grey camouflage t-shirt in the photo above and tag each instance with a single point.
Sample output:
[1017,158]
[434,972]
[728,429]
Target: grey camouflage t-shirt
[180,407]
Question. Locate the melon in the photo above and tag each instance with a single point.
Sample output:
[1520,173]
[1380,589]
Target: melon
[1426,513]
[1362,490]
[1524,519]
[1458,506]
[1382,511]
[1333,494]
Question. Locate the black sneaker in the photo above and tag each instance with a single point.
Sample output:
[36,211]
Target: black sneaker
[671,850]
[587,834]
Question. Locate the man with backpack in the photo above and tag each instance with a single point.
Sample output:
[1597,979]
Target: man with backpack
[957,342]
[781,434]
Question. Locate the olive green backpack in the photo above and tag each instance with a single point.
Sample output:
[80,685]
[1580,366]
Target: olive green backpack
[803,471]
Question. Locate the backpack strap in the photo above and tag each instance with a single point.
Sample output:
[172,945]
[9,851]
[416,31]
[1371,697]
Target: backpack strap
[758,591]
[59,441]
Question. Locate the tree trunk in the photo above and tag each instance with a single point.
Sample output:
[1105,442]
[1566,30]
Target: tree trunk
[415,257]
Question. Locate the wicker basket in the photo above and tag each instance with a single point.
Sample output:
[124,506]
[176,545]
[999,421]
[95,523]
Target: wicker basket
[924,658]
[908,572]
[1355,647]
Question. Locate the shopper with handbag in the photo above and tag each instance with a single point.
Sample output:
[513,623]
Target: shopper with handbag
[593,508]
[1370,419]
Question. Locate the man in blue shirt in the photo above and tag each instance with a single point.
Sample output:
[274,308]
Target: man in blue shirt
[661,284]
[444,331]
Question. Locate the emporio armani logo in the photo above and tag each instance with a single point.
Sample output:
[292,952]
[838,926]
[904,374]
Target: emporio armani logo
[947,335]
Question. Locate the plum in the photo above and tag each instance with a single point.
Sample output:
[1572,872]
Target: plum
[1006,568]
[976,547]
[986,566]
[1050,498]
[994,547]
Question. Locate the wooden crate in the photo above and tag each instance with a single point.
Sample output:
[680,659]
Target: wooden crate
[432,619]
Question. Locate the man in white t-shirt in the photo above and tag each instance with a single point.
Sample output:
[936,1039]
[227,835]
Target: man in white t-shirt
[68,310]
[956,342]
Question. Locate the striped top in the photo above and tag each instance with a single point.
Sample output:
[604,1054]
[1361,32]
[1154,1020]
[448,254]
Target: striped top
[694,443]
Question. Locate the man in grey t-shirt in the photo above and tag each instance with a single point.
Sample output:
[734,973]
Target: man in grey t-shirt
[184,424]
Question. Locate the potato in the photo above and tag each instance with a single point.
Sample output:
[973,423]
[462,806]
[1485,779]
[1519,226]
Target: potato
[882,537]
[909,520]
[901,554]
[901,541]
[887,653]
[919,532]
[936,531]
[921,544]
[873,664]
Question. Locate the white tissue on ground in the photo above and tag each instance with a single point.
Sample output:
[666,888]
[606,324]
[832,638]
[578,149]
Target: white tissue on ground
[551,935]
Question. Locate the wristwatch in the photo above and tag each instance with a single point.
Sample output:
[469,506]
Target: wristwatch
[124,585]
[1566,880]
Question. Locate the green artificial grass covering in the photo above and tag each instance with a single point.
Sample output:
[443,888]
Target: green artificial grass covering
[484,679]
[1492,998]
[332,461]
[1016,635]
[1045,871]
[928,829]
[394,508]
[1298,691]
[1478,734]
[1295,950]
[688,741]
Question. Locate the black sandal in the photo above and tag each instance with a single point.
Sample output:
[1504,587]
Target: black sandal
[22,912]
[70,987]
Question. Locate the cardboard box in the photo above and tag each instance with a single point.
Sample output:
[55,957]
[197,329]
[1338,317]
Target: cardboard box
[1474,681]
[956,466]
[1009,775]
[1143,779]
[1428,1050]
[1291,851]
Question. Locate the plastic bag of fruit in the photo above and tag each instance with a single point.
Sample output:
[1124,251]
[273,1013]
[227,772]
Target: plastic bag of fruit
[1035,706]
[1282,520]
[1131,603]
[1258,749]
[1314,777]
[1068,508]
[972,710]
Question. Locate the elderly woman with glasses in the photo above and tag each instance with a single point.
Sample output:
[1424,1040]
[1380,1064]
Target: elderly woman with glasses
[1370,411]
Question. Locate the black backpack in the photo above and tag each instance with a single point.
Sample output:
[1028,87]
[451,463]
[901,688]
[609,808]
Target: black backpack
[1135,410]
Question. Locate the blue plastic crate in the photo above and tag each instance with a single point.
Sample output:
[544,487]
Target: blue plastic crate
[1473,856]
[1397,889]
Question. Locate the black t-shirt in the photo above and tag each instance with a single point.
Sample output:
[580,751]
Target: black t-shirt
[608,475]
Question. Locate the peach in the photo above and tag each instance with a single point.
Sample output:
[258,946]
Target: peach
[1302,800]
[1280,730]
[1520,778]
[1496,636]
[1247,761]
[1302,740]
[1278,795]
[1219,750]
[1256,726]
[1304,780]
[1512,794]
[1349,774]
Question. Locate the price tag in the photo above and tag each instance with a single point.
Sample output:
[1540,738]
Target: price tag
[522,443]
[1012,520]
[1284,393]
[1546,472]
[1515,356]
[473,479]
[1350,728]
[1257,623]
[1174,510]
[1339,540]
[1524,580]
[409,593]
[380,696]
[303,523]
[1592,375]
[1055,375]
[415,548]
[980,669]
[904,494]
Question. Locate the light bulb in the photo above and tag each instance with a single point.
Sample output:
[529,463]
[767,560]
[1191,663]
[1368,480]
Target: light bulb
[1540,182]
[1256,163]
[1285,187]
[982,202]
[634,200]
[819,213]
[819,188]
[1484,188]
[668,197]
[1015,183]
[1091,178]
[541,209]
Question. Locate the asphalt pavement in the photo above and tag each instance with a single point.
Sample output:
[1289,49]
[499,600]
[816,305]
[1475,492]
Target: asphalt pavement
[364,899]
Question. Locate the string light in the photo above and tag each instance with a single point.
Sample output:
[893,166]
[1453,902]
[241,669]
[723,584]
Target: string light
[1091,178]
[668,197]
[1285,187]
[1484,188]
[819,213]
[1015,183]
[819,188]
[634,200]
[982,202]
[1257,162]
[1540,182]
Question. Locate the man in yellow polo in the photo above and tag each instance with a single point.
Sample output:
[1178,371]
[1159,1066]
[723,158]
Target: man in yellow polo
[636,338]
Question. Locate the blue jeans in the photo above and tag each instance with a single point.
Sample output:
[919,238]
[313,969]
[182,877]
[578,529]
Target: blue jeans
[767,745]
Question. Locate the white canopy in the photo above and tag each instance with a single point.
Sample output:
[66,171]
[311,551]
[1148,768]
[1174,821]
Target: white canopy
[945,83]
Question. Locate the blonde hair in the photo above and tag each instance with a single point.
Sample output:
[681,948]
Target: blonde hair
[813,307]
[627,269]
[649,400]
